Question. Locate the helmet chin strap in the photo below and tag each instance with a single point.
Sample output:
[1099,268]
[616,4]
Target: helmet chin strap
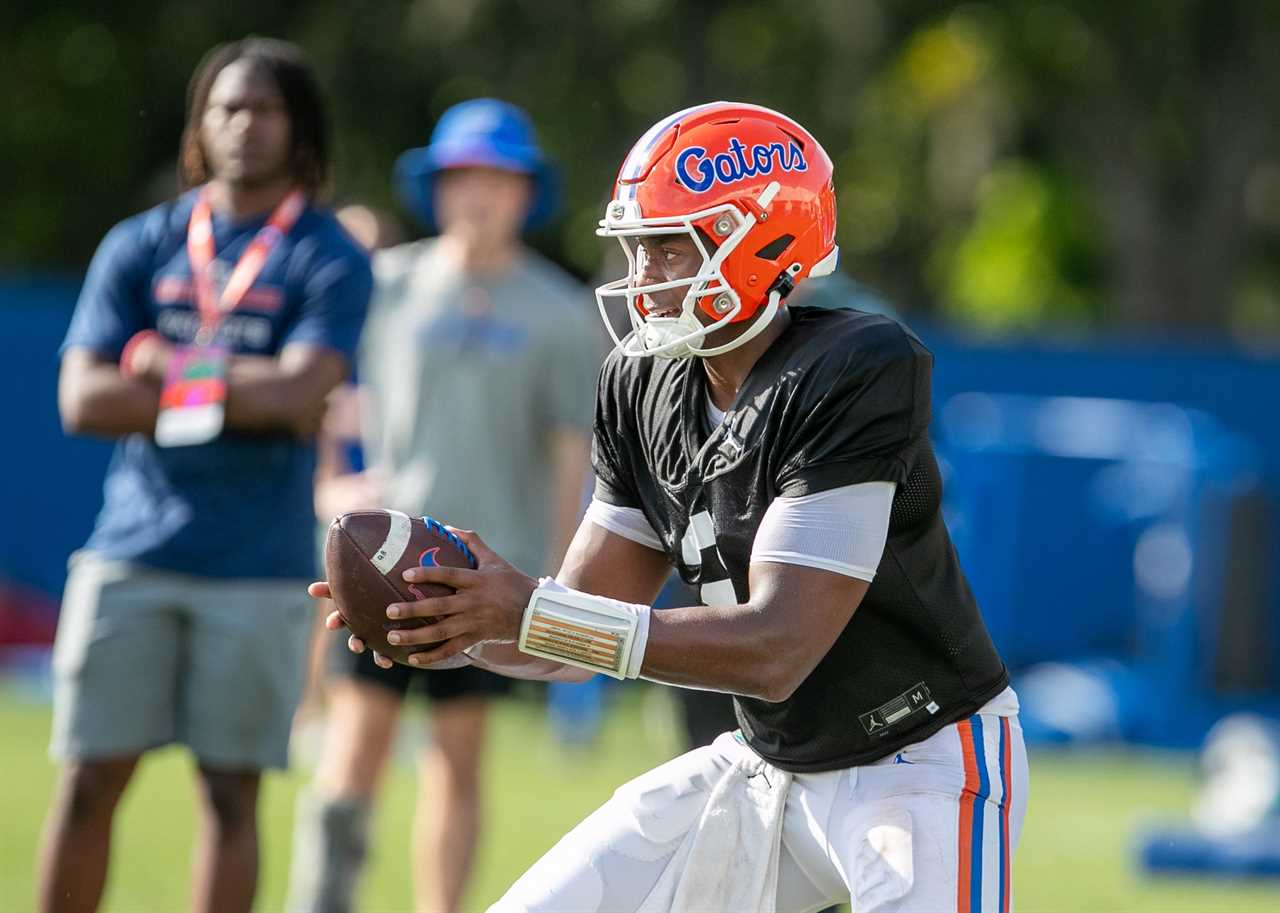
[763,319]
[662,331]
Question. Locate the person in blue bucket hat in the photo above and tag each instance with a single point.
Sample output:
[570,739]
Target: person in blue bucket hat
[479,363]
[482,132]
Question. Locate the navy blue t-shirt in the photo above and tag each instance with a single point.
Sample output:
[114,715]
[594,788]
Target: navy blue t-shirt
[241,505]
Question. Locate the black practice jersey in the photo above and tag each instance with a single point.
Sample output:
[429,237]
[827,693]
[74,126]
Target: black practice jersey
[841,397]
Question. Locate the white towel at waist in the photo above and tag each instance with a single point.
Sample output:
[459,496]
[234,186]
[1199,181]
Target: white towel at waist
[729,861]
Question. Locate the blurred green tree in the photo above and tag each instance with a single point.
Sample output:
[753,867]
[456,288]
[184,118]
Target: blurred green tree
[1007,163]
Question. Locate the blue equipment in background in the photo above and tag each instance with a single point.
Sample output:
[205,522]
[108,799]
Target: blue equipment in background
[1234,825]
[50,484]
[1123,544]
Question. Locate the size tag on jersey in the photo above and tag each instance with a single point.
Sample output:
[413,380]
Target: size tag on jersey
[878,721]
[193,401]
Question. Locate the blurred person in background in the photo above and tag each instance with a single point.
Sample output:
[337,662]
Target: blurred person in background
[340,466]
[340,479]
[218,322]
[372,227]
[478,364]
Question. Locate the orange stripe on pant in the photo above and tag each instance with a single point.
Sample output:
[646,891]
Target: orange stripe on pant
[967,798]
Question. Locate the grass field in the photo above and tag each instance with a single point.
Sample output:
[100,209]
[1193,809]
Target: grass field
[1075,856]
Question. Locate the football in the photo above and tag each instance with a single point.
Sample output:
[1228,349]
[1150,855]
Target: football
[365,554]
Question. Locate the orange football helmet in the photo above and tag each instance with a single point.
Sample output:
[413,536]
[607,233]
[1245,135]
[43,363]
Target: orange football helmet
[756,183]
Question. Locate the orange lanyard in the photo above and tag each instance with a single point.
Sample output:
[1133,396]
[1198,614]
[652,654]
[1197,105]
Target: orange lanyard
[201,252]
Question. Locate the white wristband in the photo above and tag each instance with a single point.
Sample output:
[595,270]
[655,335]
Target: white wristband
[590,632]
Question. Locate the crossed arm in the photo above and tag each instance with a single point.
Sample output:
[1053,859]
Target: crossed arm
[284,393]
[763,648]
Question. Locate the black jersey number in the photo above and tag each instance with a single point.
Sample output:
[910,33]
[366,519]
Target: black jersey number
[699,550]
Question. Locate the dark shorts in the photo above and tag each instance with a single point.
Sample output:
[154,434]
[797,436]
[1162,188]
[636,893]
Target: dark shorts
[436,684]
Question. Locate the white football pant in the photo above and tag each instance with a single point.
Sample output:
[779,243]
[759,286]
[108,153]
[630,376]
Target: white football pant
[930,829]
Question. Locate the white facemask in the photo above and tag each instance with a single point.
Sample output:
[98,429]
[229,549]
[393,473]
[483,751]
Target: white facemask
[682,336]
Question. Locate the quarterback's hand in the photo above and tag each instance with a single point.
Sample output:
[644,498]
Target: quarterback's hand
[488,606]
[333,622]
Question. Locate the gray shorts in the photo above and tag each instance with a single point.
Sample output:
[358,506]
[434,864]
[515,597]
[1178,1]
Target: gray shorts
[145,658]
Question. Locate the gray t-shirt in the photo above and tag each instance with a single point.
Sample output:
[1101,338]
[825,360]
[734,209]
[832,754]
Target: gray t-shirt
[465,378]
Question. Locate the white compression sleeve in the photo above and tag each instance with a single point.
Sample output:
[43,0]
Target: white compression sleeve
[627,522]
[842,530]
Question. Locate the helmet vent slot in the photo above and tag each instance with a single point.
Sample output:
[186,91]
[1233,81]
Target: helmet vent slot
[773,250]
[798,140]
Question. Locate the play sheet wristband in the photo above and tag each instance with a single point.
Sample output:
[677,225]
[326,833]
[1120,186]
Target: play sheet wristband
[193,401]
[590,632]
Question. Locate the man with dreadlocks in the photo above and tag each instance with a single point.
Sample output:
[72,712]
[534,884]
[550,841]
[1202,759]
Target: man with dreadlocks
[208,333]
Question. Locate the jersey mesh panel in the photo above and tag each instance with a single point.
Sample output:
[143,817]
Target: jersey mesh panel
[916,502]
[919,497]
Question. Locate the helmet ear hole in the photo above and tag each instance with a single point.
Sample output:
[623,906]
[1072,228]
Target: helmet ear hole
[775,248]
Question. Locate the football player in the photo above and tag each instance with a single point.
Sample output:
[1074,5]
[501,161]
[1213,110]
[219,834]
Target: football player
[779,458]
